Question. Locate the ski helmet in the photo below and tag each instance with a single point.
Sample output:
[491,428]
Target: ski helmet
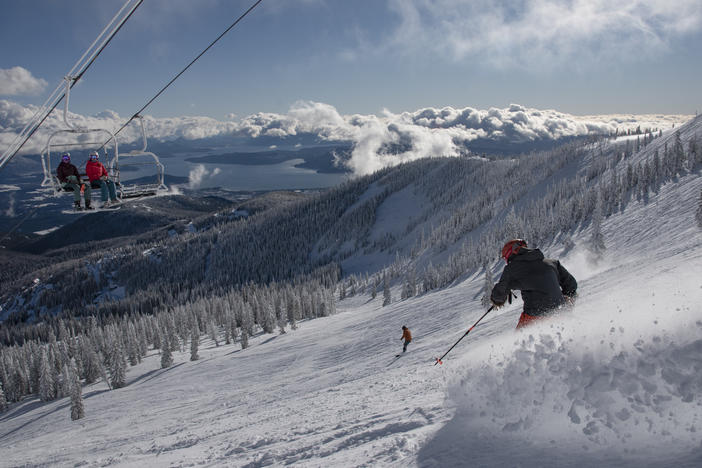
[512,247]
[93,156]
[66,157]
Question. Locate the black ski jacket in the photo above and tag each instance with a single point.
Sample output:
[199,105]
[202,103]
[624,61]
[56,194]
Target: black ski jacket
[543,282]
[64,170]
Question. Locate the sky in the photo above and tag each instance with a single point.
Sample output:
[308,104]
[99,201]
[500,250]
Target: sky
[362,56]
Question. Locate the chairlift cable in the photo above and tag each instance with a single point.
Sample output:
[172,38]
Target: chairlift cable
[14,149]
[137,113]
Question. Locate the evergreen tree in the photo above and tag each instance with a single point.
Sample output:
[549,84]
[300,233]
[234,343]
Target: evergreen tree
[212,331]
[103,370]
[47,391]
[233,329]
[118,366]
[166,354]
[290,312]
[76,392]
[699,211]
[91,361]
[3,400]
[244,338]
[194,343]
[596,244]
[387,297]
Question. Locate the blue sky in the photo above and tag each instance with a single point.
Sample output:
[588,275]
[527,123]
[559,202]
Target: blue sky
[362,56]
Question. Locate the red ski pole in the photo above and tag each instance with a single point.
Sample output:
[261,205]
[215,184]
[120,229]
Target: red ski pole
[439,360]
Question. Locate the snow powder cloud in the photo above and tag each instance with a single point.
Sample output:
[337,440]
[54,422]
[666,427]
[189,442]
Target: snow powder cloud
[198,175]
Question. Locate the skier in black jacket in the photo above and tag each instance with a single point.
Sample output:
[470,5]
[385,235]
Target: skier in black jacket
[545,284]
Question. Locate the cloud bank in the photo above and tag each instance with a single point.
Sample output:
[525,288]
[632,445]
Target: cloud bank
[17,81]
[377,140]
[534,34]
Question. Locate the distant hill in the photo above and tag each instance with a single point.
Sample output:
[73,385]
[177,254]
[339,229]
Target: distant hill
[429,221]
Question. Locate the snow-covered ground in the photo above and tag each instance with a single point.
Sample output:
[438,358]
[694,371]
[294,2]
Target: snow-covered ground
[615,382]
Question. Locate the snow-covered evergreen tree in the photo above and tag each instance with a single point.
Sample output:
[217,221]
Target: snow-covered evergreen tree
[118,366]
[194,343]
[597,245]
[3,400]
[91,361]
[699,211]
[244,338]
[290,312]
[212,331]
[76,392]
[47,389]
[387,296]
[166,353]
[281,325]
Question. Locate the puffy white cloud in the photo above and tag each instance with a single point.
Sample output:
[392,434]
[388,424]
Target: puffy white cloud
[377,140]
[20,81]
[534,34]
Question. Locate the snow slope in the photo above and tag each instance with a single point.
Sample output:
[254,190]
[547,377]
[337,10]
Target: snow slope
[616,382]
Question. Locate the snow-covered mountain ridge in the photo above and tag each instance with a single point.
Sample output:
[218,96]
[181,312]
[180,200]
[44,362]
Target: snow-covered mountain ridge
[615,383]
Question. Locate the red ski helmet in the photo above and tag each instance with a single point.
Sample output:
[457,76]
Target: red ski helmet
[512,247]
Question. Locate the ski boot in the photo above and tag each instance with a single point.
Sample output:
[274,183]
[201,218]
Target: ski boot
[77,207]
[87,205]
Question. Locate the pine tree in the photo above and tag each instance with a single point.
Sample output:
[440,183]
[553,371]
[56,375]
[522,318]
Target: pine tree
[597,245]
[387,297]
[3,400]
[47,390]
[233,330]
[91,362]
[118,366]
[290,312]
[244,338]
[212,331]
[699,211]
[76,392]
[194,343]
[166,354]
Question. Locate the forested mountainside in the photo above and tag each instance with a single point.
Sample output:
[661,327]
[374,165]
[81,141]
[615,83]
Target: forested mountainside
[273,261]
[430,221]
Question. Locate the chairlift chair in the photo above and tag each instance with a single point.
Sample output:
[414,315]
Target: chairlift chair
[140,158]
[81,138]
[100,138]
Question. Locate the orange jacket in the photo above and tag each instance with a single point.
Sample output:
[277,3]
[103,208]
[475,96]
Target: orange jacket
[406,335]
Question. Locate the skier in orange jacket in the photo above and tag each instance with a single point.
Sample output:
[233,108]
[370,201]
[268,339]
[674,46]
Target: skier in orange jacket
[406,336]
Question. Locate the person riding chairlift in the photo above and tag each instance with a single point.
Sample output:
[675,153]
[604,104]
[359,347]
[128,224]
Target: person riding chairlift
[100,178]
[70,180]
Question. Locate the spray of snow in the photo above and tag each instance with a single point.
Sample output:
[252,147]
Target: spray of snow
[198,175]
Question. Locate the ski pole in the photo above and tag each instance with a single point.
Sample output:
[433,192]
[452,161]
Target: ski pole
[438,360]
